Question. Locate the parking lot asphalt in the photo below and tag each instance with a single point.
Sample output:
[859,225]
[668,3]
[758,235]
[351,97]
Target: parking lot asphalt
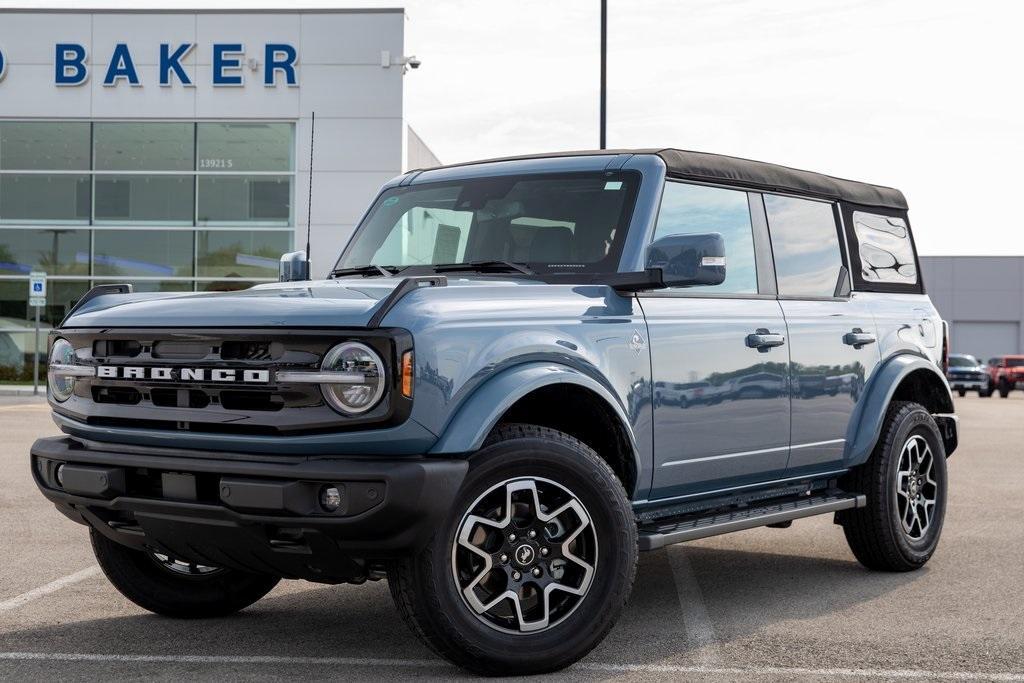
[764,604]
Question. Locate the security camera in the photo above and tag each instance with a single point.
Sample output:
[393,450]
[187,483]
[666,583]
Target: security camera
[414,63]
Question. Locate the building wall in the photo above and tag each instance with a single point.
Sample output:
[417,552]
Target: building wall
[982,298]
[348,71]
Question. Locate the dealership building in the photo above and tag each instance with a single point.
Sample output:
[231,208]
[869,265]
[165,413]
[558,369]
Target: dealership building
[172,149]
[982,298]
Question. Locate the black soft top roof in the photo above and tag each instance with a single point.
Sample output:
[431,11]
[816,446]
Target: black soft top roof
[759,175]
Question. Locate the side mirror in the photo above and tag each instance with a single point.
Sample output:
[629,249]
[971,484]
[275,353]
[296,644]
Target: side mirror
[689,260]
[293,267]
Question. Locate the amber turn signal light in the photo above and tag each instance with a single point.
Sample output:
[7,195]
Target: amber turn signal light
[407,374]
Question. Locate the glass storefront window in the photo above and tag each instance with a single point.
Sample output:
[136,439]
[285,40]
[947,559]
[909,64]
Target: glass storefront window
[52,250]
[241,253]
[16,313]
[44,198]
[143,253]
[244,147]
[153,285]
[154,199]
[249,200]
[130,179]
[44,146]
[60,296]
[122,146]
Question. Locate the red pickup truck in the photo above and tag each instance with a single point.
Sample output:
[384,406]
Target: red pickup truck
[1006,373]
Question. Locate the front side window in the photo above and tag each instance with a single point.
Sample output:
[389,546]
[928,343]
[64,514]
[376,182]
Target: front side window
[697,209]
[550,223]
[805,244]
[886,252]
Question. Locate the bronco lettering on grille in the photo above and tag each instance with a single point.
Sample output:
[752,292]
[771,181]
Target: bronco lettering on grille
[184,374]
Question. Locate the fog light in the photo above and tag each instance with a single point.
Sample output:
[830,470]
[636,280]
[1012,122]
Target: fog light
[330,498]
[59,474]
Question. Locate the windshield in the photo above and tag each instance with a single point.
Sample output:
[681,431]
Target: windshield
[962,362]
[548,223]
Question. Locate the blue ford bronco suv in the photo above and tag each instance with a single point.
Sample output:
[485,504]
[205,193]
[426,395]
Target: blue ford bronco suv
[467,404]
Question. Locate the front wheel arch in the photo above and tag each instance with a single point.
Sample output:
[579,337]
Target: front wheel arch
[506,396]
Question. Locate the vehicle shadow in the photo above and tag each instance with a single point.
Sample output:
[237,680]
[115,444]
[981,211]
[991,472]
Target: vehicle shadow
[742,591]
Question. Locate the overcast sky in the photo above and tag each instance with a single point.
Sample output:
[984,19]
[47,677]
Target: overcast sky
[923,95]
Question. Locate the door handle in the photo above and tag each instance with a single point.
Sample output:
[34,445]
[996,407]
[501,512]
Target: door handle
[858,338]
[762,340]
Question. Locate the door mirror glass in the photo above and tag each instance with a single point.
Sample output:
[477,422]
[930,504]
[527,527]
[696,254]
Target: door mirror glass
[689,260]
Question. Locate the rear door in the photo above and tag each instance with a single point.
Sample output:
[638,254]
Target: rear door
[718,353]
[832,337]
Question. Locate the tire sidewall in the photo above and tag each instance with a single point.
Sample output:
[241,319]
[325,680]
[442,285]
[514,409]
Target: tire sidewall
[916,423]
[616,540]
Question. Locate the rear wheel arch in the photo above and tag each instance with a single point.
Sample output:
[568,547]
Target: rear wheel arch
[905,377]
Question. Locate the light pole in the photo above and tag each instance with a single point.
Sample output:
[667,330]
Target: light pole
[604,73]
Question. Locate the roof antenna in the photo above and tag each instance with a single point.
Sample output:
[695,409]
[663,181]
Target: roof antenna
[309,202]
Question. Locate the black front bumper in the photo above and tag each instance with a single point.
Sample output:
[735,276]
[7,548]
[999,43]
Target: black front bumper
[253,513]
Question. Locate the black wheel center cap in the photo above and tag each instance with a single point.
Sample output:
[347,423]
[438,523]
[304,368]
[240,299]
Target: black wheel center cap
[525,554]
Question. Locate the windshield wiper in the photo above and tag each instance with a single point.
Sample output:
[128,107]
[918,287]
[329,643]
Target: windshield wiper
[370,270]
[484,266]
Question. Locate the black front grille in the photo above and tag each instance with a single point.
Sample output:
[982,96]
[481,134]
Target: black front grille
[230,407]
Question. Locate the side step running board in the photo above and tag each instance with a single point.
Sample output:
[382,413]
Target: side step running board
[692,527]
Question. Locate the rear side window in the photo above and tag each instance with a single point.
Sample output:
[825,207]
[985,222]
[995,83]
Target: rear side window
[884,247]
[805,243]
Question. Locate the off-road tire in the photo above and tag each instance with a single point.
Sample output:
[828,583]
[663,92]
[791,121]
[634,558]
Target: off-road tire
[430,602]
[1004,388]
[961,392]
[875,533]
[140,578]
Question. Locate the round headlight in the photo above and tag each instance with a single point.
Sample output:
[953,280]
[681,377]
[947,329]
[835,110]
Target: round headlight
[358,397]
[62,353]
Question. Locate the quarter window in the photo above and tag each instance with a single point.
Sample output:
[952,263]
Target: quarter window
[694,209]
[805,244]
[886,252]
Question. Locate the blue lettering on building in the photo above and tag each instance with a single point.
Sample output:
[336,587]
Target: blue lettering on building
[121,66]
[279,57]
[69,64]
[227,57]
[3,65]
[171,61]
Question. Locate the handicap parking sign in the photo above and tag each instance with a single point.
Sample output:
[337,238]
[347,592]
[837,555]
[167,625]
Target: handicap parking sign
[37,288]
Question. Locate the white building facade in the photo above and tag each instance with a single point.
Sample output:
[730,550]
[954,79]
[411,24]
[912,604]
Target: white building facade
[172,149]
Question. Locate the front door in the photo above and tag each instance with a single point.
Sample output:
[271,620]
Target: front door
[719,355]
[832,335]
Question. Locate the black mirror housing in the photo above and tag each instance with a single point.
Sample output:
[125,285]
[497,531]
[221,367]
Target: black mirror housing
[689,260]
[293,267]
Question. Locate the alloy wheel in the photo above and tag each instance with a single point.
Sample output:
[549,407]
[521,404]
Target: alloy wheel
[916,488]
[182,567]
[524,555]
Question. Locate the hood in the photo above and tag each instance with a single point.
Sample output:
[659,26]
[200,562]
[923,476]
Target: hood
[349,302]
[346,302]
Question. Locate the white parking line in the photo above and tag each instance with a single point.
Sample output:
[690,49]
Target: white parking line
[752,671]
[699,630]
[26,406]
[52,587]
